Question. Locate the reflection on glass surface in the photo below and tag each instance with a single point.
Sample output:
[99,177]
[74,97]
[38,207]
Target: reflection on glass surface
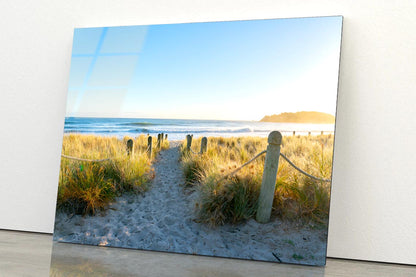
[83,260]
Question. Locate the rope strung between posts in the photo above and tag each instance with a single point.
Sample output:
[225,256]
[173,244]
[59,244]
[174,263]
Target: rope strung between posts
[245,164]
[83,160]
[194,152]
[301,171]
[284,157]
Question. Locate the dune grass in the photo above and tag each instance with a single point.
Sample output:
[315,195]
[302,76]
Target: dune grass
[85,187]
[234,199]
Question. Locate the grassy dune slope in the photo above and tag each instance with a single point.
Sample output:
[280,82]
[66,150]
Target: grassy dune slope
[234,199]
[85,187]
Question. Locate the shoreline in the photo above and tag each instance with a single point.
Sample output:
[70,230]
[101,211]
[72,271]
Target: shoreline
[178,128]
[177,138]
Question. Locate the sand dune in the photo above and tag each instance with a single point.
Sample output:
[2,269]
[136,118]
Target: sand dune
[162,219]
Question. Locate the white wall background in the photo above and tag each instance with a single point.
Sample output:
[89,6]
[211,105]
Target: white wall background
[373,207]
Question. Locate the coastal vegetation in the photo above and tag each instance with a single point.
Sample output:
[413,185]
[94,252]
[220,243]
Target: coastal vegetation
[301,117]
[225,198]
[88,186]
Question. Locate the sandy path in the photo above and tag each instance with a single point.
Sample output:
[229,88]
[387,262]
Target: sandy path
[162,219]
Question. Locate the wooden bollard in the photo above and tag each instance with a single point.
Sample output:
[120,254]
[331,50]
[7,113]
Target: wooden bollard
[294,133]
[130,147]
[322,132]
[158,140]
[166,136]
[204,142]
[162,137]
[309,133]
[188,142]
[269,177]
[149,147]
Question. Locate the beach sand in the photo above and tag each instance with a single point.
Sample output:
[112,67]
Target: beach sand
[162,219]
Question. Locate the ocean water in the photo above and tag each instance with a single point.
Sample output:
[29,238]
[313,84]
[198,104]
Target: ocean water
[177,129]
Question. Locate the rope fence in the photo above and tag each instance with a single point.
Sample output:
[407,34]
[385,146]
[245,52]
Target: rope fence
[284,157]
[204,146]
[192,151]
[84,160]
[204,143]
[271,164]
[130,149]
[269,172]
[303,132]
[301,171]
[245,164]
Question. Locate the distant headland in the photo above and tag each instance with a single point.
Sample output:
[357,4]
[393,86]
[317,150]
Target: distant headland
[301,117]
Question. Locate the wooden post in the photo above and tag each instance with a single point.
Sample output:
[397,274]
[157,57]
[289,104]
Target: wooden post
[166,136]
[294,133]
[322,132]
[309,133]
[204,143]
[149,147]
[158,140]
[162,137]
[188,142]
[130,148]
[269,177]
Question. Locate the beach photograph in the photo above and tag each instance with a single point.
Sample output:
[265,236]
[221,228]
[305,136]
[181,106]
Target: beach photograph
[211,139]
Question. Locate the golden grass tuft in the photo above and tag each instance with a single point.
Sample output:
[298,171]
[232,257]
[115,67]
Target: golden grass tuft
[85,187]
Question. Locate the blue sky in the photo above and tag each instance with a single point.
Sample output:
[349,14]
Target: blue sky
[239,70]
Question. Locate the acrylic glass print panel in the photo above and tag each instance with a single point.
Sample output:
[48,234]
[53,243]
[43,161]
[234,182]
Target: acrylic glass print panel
[202,138]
